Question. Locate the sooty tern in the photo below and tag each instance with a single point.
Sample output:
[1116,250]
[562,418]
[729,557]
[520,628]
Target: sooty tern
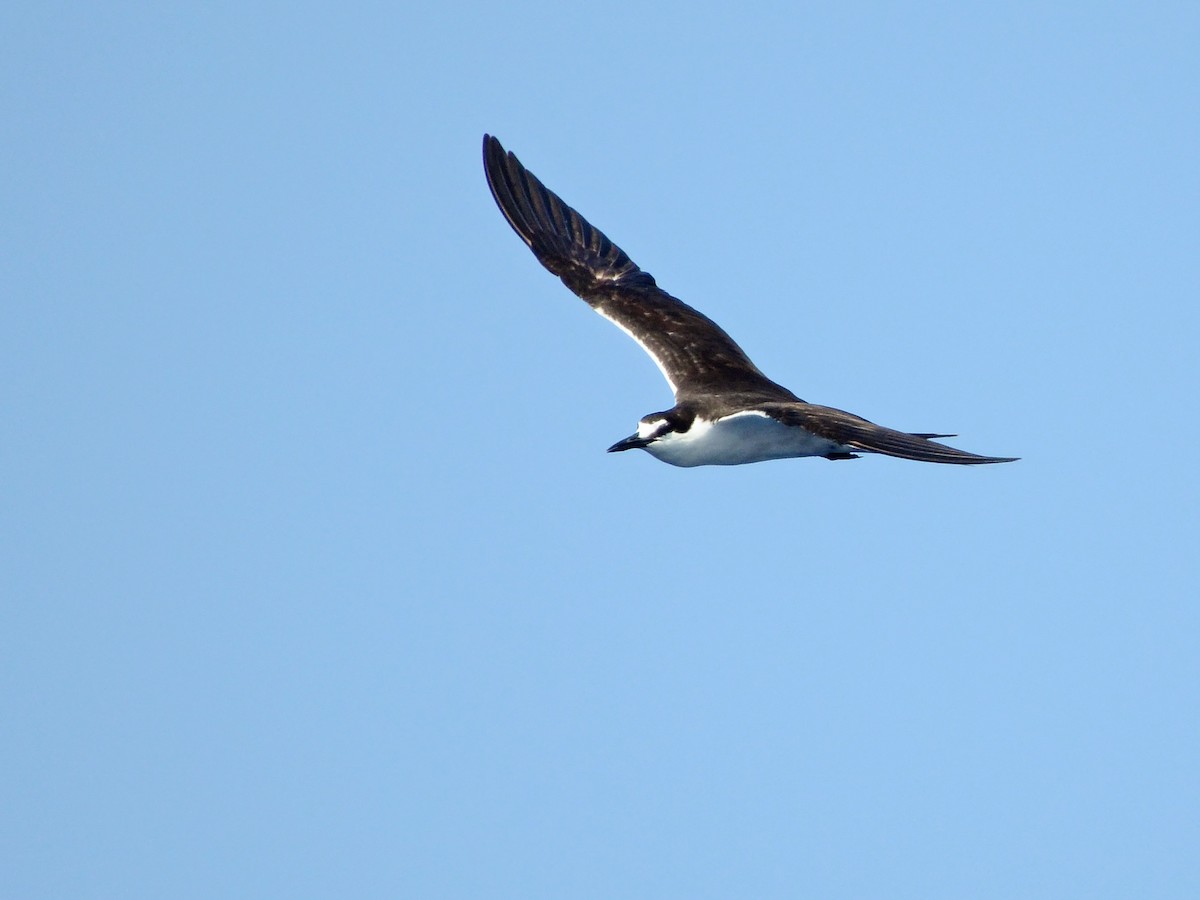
[726,411]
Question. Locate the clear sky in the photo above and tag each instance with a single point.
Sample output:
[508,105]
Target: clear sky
[316,578]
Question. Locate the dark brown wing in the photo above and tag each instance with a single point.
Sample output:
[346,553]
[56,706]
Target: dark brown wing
[695,355]
[859,434]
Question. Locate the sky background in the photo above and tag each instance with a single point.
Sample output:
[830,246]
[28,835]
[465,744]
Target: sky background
[316,579]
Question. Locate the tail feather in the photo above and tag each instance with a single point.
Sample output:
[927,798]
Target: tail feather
[877,439]
[856,433]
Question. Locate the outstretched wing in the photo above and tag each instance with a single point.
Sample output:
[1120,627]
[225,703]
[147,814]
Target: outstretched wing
[694,354]
[857,433]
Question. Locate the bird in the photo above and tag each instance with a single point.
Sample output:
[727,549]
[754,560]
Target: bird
[726,411]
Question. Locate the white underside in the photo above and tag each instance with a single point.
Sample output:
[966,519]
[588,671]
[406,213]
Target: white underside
[743,437]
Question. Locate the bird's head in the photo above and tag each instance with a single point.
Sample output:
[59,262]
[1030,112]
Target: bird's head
[650,429]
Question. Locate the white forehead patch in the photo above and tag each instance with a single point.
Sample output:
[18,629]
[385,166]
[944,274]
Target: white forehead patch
[647,428]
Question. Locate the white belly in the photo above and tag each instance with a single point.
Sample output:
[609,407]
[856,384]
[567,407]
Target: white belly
[743,437]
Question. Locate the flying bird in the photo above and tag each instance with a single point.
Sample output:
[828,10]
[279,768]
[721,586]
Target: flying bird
[726,411]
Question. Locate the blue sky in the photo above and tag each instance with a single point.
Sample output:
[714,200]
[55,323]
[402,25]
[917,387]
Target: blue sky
[318,582]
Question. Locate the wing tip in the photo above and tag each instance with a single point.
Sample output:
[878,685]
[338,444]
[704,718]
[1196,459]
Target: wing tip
[563,241]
